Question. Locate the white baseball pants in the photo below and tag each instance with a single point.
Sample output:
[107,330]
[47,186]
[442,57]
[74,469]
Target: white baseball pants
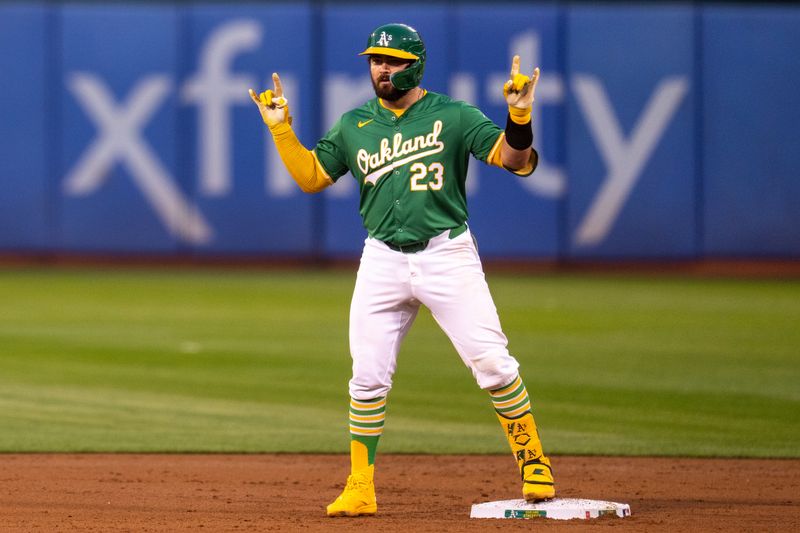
[446,277]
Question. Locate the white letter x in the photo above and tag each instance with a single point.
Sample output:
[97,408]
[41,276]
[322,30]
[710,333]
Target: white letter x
[119,138]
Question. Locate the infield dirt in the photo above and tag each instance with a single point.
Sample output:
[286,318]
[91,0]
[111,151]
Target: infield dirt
[416,493]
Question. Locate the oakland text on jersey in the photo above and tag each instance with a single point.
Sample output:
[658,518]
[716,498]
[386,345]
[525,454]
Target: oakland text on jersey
[376,161]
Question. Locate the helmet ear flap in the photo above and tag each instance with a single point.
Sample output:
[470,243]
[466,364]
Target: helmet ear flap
[410,77]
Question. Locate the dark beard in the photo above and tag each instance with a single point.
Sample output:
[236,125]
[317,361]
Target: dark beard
[392,94]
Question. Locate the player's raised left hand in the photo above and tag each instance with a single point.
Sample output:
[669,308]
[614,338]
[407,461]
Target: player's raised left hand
[272,105]
[519,92]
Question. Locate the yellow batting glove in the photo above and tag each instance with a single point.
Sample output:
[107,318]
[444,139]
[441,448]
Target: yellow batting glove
[272,105]
[518,92]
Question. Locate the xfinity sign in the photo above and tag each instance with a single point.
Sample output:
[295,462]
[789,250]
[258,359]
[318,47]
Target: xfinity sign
[217,87]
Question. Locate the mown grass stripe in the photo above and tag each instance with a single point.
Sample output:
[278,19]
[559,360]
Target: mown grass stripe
[147,359]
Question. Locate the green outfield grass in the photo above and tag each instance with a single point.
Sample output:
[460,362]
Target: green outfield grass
[149,360]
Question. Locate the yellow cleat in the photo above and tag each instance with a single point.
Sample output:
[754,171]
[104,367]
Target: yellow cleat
[358,496]
[537,480]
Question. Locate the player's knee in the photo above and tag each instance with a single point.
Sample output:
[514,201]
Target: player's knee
[493,370]
[367,389]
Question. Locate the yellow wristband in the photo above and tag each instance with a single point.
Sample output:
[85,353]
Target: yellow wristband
[520,116]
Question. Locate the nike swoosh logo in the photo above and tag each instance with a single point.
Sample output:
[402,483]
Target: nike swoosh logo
[362,124]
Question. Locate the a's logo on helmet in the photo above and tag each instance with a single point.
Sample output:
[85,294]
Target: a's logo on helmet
[384,40]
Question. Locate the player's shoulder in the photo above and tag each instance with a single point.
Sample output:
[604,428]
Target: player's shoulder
[434,99]
[444,102]
[357,116]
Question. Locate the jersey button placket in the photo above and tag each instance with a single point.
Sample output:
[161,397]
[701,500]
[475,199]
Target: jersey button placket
[398,189]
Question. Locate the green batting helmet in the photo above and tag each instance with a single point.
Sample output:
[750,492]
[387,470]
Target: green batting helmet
[404,42]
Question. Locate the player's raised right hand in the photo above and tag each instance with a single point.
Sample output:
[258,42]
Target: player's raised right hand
[272,105]
[519,92]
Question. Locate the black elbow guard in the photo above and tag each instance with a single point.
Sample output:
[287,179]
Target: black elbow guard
[519,136]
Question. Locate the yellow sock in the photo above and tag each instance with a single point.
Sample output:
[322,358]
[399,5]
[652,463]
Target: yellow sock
[513,408]
[366,427]
[359,456]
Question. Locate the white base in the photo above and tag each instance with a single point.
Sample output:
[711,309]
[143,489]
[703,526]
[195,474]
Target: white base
[558,508]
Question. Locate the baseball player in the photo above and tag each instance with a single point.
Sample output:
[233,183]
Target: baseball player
[408,148]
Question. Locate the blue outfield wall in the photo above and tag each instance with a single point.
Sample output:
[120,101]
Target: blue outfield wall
[664,132]
[751,131]
[630,161]
[25,209]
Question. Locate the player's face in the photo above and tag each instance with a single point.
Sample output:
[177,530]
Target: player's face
[381,68]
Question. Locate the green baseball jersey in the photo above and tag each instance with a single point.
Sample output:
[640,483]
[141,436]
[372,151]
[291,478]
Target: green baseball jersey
[411,169]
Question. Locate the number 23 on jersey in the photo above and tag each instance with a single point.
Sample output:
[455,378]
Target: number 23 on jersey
[419,174]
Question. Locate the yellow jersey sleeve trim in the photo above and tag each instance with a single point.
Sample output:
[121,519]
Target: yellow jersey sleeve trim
[528,169]
[320,169]
[495,159]
[494,154]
